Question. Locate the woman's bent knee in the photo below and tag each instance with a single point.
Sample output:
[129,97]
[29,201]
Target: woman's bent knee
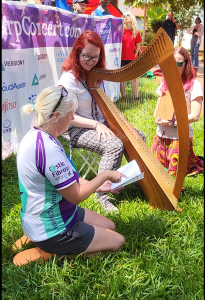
[120,241]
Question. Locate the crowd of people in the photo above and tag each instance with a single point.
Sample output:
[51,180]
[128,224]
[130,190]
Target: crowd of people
[50,214]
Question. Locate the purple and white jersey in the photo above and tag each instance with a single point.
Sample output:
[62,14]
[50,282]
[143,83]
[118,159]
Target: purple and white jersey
[43,169]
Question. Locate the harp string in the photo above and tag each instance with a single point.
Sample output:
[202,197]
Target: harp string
[140,113]
[154,186]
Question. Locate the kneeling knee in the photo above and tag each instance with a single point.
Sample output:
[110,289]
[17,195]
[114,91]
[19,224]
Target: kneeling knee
[111,225]
[120,241]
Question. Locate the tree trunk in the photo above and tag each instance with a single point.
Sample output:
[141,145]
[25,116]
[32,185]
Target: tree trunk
[144,25]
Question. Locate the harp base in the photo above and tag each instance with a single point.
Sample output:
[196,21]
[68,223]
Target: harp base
[177,208]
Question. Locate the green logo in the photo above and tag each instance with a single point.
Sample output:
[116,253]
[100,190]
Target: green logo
[2,68]
[52,168]
[35,80]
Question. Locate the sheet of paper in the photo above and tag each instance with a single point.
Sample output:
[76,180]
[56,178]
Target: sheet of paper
[133,173]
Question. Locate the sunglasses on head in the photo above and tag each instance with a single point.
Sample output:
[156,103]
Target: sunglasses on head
[180,63]
[64,93]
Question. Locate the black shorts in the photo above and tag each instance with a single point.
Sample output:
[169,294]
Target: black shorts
[125,62]
[72,241]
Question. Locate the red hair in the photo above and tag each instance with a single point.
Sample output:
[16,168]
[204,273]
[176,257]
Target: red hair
[72,62]
[188,75]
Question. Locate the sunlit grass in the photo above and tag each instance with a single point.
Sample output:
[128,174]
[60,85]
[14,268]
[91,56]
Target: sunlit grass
[162,258]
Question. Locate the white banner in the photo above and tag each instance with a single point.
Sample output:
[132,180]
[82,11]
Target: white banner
[36,39]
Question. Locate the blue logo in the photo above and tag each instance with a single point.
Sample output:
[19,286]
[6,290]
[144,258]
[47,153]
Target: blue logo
[2,67]
[116,61]
[61,56]
[13,86]
[6,123]
[6,126]
[35,80]
[32,99]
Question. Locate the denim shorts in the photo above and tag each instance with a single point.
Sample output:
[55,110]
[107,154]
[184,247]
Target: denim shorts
[72,241]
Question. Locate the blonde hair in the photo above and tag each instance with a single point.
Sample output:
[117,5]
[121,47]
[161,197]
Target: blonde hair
[134,23]
[33,2]
[47,101]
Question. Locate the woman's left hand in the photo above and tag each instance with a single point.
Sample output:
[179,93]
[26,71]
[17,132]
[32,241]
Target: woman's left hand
[106,188]
[104,131]
[161,121]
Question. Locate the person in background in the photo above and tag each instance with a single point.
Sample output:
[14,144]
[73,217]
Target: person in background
[89,129]
[130,46]
[79,6]
[165,144]
[58,3]
[51,189]
[170,25]
[50,3]
[197,32]
[102,10]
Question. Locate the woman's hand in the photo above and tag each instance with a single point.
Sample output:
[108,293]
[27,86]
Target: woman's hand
[106,188]
[161,121]
[104,131]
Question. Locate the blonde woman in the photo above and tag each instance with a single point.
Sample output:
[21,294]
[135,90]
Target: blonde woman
[130,46]
[51,189]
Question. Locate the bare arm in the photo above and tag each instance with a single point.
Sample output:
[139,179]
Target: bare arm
[177,26]
[196,106]
[83,122]
[77,193]
[93,124]
[137,48]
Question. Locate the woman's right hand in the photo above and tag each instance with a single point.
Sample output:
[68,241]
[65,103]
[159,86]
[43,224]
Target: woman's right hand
[115,176]
[104,131]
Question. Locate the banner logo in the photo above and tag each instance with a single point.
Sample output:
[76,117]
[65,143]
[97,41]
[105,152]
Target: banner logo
[12,63]
[42,56]
[35,80]
[13,86]
[6,126]
[8,105]
[116,61]
[32,99]
[2,67]
[61,56]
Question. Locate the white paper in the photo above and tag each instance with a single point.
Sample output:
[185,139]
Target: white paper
[133,173]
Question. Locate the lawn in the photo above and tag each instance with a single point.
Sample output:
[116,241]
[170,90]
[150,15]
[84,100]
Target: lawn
[162,258]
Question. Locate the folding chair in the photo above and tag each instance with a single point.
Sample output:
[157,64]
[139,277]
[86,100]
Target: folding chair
[91,161]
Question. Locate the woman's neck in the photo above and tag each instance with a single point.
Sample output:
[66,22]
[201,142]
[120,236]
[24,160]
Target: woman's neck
[128,26]
[52,131]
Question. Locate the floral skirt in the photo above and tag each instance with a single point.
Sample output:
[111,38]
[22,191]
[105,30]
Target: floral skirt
[167,152]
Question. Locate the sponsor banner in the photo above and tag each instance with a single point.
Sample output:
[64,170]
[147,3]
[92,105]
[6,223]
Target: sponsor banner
[35,43]
[30,26]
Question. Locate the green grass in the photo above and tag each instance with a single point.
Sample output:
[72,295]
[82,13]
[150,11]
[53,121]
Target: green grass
[162,257]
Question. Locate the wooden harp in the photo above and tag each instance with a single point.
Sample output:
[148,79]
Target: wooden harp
[158,186]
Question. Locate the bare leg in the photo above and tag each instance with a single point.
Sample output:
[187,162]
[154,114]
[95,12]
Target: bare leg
[122,89]
[105,238]
[135,84]
[93,218]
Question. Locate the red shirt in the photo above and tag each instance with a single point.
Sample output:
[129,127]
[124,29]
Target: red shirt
[128,44]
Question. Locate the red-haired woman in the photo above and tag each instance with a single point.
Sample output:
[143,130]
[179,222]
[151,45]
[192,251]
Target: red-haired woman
[89,129]
[165,144]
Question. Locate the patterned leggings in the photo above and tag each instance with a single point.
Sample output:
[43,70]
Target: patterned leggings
[111,151]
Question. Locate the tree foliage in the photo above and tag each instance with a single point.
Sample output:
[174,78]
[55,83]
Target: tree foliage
[175,5]
[185,19]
